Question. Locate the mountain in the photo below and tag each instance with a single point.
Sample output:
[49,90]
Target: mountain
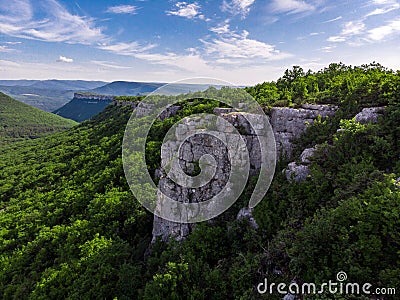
[20,121]
[22,82]
[70,228]
[44,99]
[84,106]
[47,95]
[51,95]
[71,85]
[125,88]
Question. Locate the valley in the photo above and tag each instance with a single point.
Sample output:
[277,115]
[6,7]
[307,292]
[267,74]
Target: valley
[71,227]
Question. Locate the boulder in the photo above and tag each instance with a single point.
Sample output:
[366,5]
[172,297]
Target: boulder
[369,115]
[296,172]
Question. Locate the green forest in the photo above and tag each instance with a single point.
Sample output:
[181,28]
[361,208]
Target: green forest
[19,121]
[71,229]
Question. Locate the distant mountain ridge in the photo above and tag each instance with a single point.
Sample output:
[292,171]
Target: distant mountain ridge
[52,95]
[47,95]
[126,88]
[87,104]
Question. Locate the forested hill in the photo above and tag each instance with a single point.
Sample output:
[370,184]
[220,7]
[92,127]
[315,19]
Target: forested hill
[19,121]
[71,229]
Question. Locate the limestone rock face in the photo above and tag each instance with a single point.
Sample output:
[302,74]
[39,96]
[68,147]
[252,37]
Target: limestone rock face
[306,154]
[190,151]
[369,115]
[296,172]
[289,123]
[125,103]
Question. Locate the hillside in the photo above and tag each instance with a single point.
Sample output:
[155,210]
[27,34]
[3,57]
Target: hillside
[70,227]
[84,106]
[46,95]
[20,121]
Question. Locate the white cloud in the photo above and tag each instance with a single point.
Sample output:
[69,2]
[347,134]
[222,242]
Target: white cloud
[353,28]
[187,62]
[336,39]
[382,32]
[221,29]
[107,64]
[382,2]
[65,59]
[328,49]
[13,43]
[122,9]
[125,48]
[382,11]
[237,7]
[291,6]
[334,20]
[56,24]
[6,49]
[234,46]
[20,10]
[187,10]
[59,25]
[350,29]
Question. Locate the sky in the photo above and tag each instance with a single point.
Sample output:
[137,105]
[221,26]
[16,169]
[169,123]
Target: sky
[240,41]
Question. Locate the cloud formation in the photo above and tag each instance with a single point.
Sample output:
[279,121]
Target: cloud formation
[237,48]
[56,25]
[237,7]
[122,9]
[107,64]
[291,6]
[65,59]
[6,49]
[186,10]
[380,33]
[126,48]
[59,25]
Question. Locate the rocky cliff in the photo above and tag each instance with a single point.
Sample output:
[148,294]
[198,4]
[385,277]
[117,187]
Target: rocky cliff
[287,123]
[93,97]
[84,106]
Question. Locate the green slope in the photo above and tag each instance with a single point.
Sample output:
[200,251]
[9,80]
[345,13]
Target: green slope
[19,121]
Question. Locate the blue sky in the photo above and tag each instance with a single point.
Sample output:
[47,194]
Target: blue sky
[240,41]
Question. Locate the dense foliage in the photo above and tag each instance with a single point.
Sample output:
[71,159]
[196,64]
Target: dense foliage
[70,228]
[19,121]
[338,84]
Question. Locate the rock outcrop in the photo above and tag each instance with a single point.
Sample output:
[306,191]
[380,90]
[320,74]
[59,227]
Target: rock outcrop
[299,171]
[191,150]
[296,172]
[95,97]
[369,115]
[289,123]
